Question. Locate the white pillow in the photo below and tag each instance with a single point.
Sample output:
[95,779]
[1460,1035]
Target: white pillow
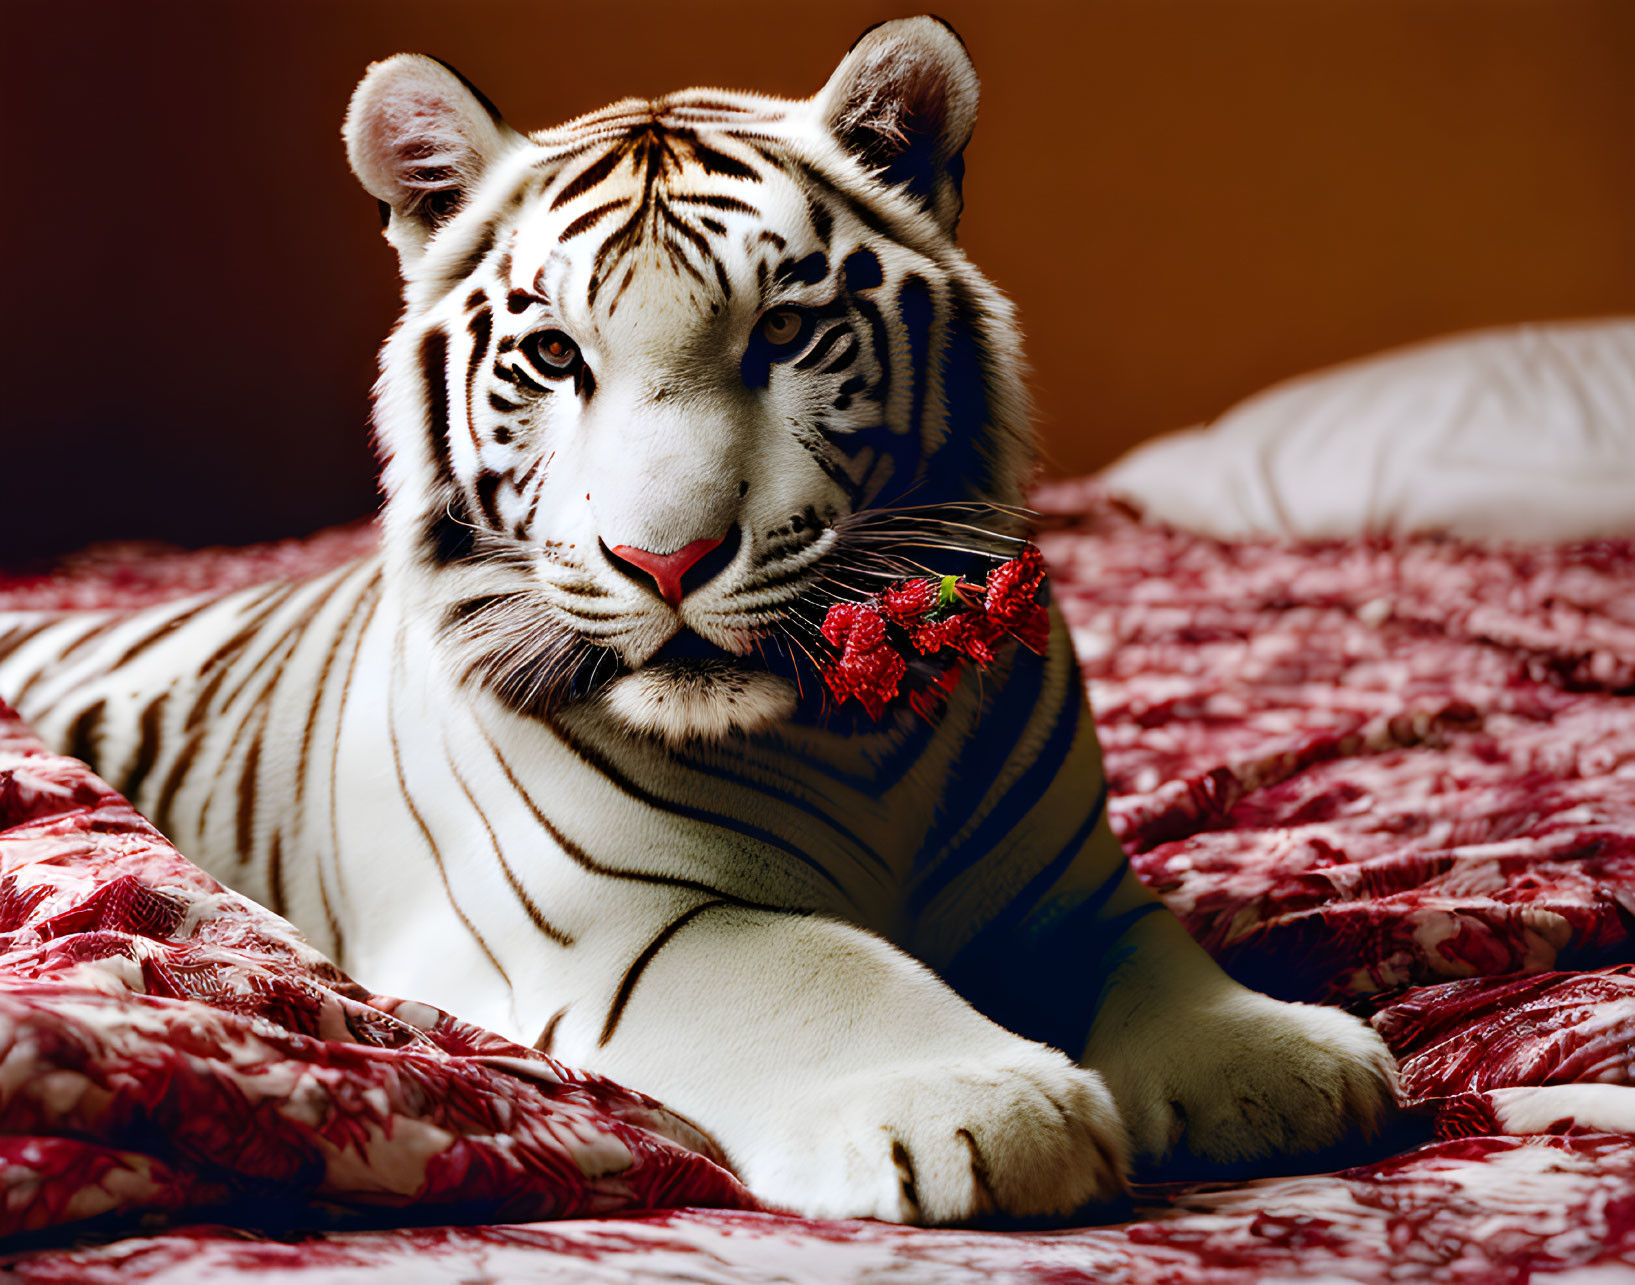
[1522,433]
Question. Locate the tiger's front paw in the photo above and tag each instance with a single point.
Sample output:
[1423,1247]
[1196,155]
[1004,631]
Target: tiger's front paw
[1024,1132]
[1242,1076]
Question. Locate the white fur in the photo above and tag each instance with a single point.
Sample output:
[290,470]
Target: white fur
[682,705]
[1194,1058]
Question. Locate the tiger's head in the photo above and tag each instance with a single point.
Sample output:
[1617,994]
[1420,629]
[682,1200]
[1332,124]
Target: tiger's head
[675,376]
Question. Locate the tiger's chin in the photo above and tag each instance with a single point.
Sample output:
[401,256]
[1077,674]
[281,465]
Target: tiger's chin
[698,700]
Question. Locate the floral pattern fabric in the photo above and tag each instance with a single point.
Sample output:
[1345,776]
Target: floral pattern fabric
[167,1046]
[1395,775]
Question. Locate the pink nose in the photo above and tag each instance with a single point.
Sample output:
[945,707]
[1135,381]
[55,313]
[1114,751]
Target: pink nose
[667,569]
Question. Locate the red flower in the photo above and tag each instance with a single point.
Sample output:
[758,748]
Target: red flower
[1012,599]
[909,602]
[869,667]
[1013,585]
[969,633]
[945,619]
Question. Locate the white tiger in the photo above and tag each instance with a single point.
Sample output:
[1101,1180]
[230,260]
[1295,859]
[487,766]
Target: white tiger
[666,380]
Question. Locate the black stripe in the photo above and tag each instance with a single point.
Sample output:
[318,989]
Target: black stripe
[431,843]
[686,231]
[839,364]
[275,873]
[963,464]
[449,537]
[172,783]
[1039,967]
[915,310]
[321,687]
[722,165]
[823,222]
[1026,902]
[585,861]
[727,204]
[586,221]
[807,272]
[259,709]
[590,617]
[589,589]
[20,697]
[881,339]
[793,793]
[481,330]
[862,270]
[82,733]
[147,748]
[15,638]
[972,775]
[330,917]
[460,612]
[824,346]
[220,659]
[91,635]
[163,631]
[448,528]
[434,375]
[535,915]
[249,780]
[289,635]
[871,218]
[591,175]
[518,375]
[482,245]
[786,576]
[594,759]
[488,484]
[547,1037]
[632,975]
[1024,793]
[758,143]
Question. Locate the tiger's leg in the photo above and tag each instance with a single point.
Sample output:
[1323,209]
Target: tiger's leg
[1083,957]
[843,1079]
[1195,1059]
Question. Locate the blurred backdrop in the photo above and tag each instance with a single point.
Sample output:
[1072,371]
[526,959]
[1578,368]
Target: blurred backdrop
[1188,198]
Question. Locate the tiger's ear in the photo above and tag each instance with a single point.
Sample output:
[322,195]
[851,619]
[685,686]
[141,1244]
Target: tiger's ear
[420,137]
[903,101]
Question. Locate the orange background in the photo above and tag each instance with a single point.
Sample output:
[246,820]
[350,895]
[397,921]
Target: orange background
[1188,198]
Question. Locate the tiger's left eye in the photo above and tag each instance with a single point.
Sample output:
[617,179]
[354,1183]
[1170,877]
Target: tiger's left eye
[553,354]
[781,326]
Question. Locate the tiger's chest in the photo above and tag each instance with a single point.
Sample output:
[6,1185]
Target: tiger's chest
[476,852]
[468,856]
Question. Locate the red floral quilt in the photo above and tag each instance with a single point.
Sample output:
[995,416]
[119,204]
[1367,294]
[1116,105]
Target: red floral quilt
[1396,775]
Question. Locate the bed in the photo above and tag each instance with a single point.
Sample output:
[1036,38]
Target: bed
[1394,773]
